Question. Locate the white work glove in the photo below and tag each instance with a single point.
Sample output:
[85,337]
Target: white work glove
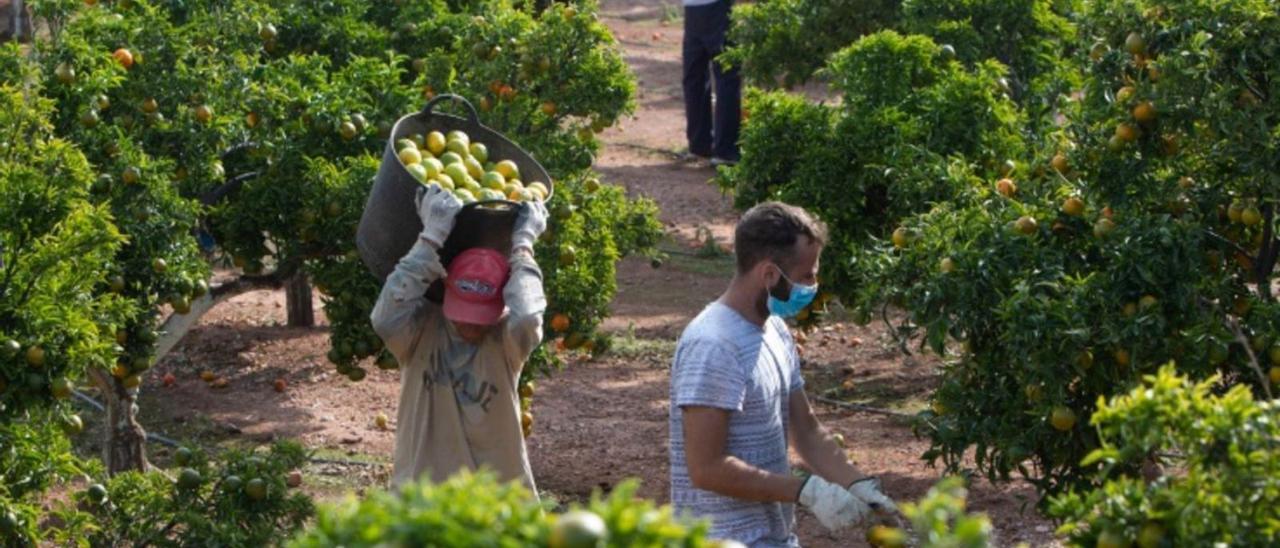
[438,208]
[868,490]
[531,221]
[836,507]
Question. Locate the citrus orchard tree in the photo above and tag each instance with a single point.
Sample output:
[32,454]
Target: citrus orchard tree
[1142,231]
[443,514]
[1028,37]
[245,498]
[246,133]
[787,41]
[1053,256]
[1221,447]
[915,127]
[54,245]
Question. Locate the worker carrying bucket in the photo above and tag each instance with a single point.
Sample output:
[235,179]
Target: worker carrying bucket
[451,228]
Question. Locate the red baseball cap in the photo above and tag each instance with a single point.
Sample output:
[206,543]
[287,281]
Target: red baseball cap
[473,288]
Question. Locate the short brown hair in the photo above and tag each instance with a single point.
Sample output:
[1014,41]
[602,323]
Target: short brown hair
[769,231]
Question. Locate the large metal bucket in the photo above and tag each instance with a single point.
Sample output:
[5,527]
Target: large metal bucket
[390,221]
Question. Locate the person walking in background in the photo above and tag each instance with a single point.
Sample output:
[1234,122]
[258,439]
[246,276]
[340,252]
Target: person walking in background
[711,134]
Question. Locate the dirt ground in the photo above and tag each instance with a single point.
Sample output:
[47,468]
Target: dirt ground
[597,422]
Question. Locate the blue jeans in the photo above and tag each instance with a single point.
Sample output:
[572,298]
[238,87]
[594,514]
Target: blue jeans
[710,133]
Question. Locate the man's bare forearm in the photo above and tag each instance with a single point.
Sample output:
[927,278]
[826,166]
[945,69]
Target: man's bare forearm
[732,477]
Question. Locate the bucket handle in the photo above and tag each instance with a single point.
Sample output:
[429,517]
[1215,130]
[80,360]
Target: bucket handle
[506,205]
[475,116]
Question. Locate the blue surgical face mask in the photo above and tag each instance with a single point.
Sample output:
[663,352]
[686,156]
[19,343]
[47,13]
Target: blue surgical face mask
[799,297]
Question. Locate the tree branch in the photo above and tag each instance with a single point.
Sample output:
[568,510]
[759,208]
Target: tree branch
[1266,261]
[176,326]
[1263,379]
[233,184]
[1225,240]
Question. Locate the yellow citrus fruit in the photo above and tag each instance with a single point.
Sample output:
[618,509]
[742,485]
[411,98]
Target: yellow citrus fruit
[410,156]
[1006,187]
[1135,43]
[901,237]
[1062,418]
[1250,216]
[1059,163]
[1126,133]
[1026,224]
[1103,227]
[508,169]
[1122,357]
[1145,112]
[1073,206]
[577,529]
[436,143]
[884,536]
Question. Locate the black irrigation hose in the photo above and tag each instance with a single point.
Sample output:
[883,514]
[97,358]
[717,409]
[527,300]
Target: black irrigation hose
[863,407]
[151,436]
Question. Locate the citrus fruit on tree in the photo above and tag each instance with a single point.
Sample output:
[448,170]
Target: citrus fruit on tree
[1151,535]
[1112,539]
[1062,418]
[1026,224]
[189,479]
[1103,227]
[65,73]
[1073,206]
[1126,133]
[97,493]
[1060,163]
[267,32]
[1145,112]
[72,425]
[1134,43]
[1250,216]
[256,488]
[35,356]
[901,237]
[560,323]
[1006,187]
[577,529]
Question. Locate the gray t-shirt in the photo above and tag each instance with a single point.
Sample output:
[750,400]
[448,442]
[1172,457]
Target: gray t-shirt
[726,362]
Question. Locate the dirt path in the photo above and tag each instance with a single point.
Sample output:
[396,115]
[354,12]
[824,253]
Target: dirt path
[596,423]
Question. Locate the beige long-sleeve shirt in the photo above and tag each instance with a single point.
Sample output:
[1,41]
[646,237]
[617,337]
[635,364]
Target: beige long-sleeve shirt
[459,404]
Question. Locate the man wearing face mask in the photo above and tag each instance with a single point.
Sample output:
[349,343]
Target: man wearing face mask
[738,402]
[460,360]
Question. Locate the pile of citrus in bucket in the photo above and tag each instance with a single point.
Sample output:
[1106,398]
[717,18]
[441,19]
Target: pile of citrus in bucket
[463,167]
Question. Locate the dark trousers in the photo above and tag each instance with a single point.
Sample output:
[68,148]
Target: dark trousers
[710,133]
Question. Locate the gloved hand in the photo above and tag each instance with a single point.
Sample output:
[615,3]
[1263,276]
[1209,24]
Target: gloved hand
[438,208]
[531,221]
[868,491]
[835,507]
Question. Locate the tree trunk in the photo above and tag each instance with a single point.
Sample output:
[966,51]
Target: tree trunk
[125,447]
[298,301]
[126,444]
